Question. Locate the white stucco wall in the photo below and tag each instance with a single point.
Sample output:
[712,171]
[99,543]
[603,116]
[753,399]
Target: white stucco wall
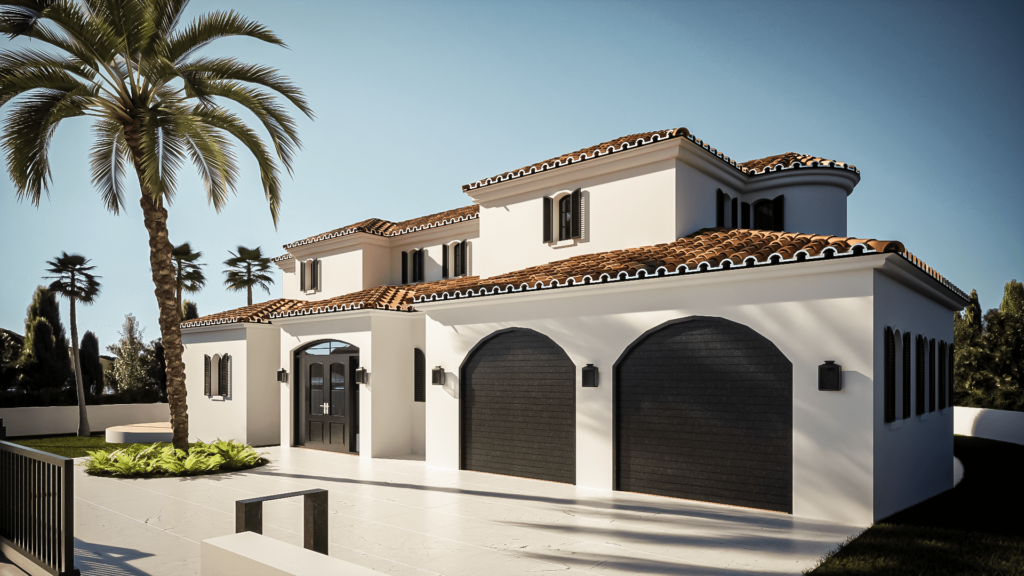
[263,402]
[434,240]
[39,420]
[289,279]
[210,418]
[812,205]
[1002,425]
[814,312]
[913,456]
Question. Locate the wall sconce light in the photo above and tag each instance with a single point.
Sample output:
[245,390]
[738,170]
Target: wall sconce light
[282,376]
[361,376]
[590,376]
[437,376]
[830,376]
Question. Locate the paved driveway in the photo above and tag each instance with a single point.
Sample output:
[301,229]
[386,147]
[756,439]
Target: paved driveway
[402,517]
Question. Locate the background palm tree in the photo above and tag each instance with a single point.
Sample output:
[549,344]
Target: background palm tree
[156,103]
[246,269]
[73,279]
[188,272]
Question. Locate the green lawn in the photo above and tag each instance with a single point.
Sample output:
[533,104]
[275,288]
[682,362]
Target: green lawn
[69,446]
[975,528]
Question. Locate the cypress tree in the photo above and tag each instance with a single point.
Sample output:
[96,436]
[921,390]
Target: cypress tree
[45,360]
[92,370]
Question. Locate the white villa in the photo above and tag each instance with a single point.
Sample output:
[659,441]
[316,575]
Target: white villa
[644,315]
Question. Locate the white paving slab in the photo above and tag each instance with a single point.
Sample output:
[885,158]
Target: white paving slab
[401,517]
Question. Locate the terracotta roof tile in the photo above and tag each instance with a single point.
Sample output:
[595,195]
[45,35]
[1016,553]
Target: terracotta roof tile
[379,298]
[379,227]
[256,313]
[787,161]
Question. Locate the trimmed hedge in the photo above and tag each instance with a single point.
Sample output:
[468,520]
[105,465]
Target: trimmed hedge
[68,397]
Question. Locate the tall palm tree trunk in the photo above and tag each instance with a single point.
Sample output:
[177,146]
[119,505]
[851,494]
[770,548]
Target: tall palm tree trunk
[83,415]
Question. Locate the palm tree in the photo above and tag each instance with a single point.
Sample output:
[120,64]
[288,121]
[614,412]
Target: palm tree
[246,269]
[73,279]
[188,272]
[156,103]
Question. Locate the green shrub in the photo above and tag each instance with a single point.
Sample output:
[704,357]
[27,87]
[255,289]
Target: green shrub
[161,459]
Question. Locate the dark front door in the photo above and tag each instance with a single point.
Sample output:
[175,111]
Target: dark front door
[519,408]
[327,402]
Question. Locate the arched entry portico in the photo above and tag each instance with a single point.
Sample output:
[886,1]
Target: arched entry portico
[326,396]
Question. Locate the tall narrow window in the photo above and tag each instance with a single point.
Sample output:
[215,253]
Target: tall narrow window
[548,209]
[224,382]
[920,400]
[931,375]
[942,375]
[745,215]
[302,276]
[444,260]
[457,257]
[208,375]
[779,213]
[565,218]
[720,209]
[949,369]
[735,223]
[763,215]
[907,355]
[576,221]
[464,258]
[405,267]
[890,376]
[419,386]
[417,265]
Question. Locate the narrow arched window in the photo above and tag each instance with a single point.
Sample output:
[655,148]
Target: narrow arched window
[565,217]
[890,376]
[763,215]
[420,376]
[457,258]
[907,362]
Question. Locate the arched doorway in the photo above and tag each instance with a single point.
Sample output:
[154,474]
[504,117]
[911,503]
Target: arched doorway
[326,396]
[704,411]
[518,407]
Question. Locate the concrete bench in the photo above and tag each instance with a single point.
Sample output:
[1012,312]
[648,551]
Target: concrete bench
[140,433]
[252,554]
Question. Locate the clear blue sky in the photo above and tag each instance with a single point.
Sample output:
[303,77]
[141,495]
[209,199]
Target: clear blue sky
[414,99]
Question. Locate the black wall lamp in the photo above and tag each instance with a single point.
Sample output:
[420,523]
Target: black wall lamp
[282,376]
[437,376]
[361,376]
[590,376]
[830,376]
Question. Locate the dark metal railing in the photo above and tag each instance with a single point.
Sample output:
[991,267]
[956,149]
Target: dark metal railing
[37,507]
[249,517]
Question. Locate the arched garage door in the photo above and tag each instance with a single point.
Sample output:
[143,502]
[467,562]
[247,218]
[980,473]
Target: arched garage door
[704,411]
[518,398]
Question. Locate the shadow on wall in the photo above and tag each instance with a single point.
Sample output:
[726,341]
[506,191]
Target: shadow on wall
[1003,425]
[100,560]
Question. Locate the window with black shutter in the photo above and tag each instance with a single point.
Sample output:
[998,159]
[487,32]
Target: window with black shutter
[576,222]
[763,215]
[949,369]
[418,274]
[907,350]
[444,260]
[302,275]
[745,215]
[464,258]
[779,213]
[224,383]
[208,375]
[457,257]
[420,370]
[735,223]
[405,267]
[931,375]
[942,375]
[920,374]
[890,376]
[565,218]
[548,208]
[720,209]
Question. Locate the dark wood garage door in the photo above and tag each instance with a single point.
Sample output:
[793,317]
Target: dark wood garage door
[704,411]
[518,399]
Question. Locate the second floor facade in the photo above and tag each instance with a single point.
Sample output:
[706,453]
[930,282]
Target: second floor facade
[639,190]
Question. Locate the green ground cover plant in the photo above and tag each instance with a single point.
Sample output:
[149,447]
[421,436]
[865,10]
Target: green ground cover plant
[162,459]
[974,528]
[68,445]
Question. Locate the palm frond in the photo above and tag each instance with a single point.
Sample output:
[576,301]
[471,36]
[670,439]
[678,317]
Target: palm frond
[107,163]
[215,160]
[233,69]
[210,27]
[163,151]
[27,131]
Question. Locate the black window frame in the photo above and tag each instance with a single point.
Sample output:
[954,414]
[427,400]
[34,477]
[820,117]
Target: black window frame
[565,218]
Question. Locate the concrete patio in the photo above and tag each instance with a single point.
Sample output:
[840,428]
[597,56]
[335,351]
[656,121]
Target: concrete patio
[400,517]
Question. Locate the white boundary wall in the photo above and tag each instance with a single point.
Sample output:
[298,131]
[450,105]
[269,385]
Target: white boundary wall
[1004,425]
[38,420]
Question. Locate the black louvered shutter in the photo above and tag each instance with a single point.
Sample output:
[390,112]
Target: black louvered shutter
[920,375]
[546,225]
[208,376]
[931,375]
[302,276]
[942,376]
[735,213]
[949,367]
[745,215]
[463,259]
[420,369]
[405,267]
[444,260]
[319,275]
[720,209]
[907,353]
[457,259]
[779,213]
[224,385]
[577,215]
[890,376]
